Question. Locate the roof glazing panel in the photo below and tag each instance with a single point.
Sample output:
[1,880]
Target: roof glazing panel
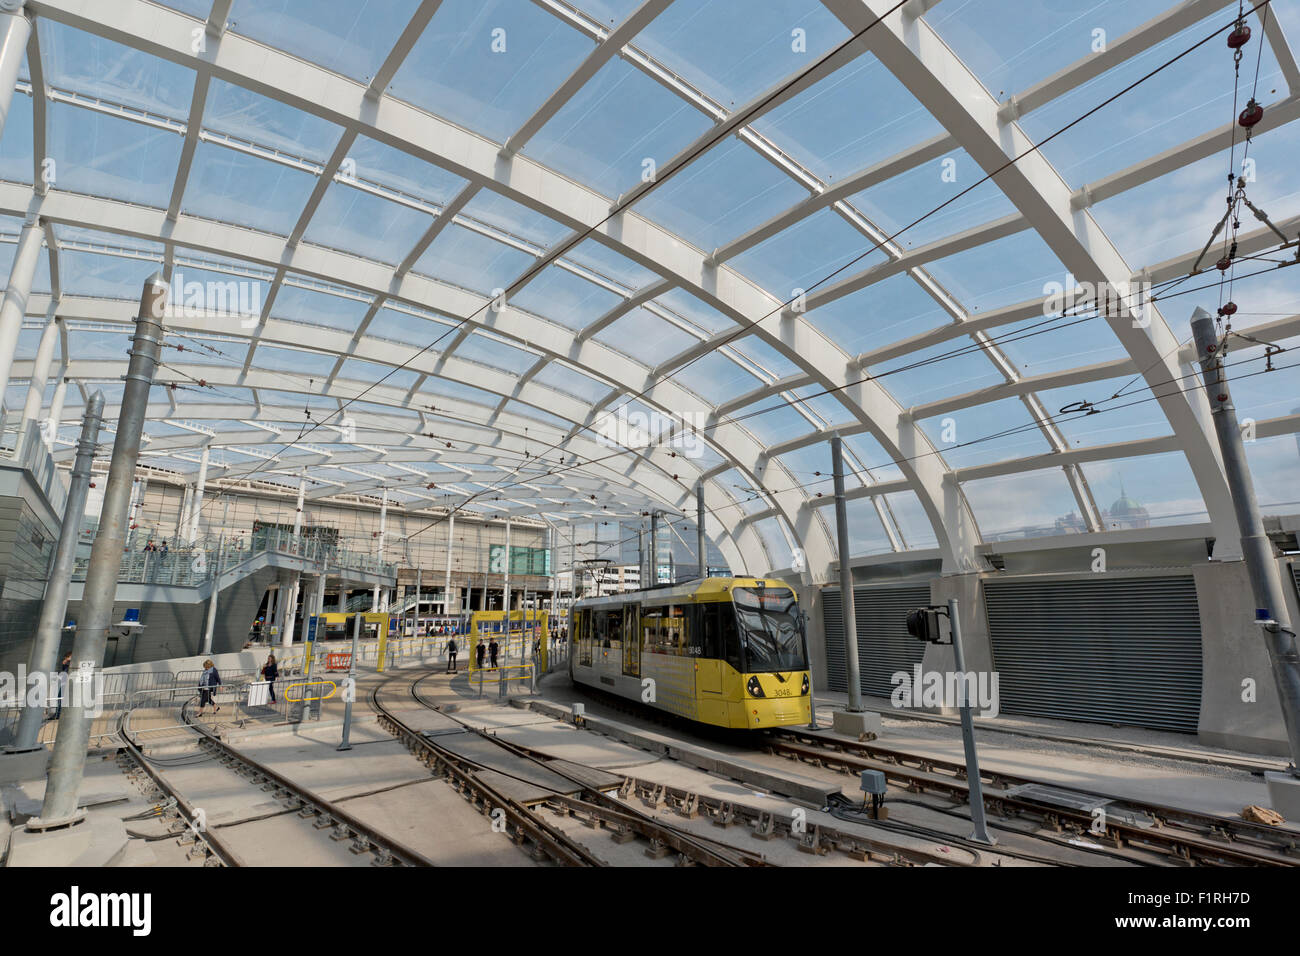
[565,298]
[1045,505]
[351,37]
[16,144]
[986,433]
[722,195]
[804,255]
[1144,492]
[733,49]
[1045,36]
[471,260]
[884,312]
[848,121]
[1190,97]
[318,308]
[620,128]
[92,65]
[1274,463]
[234,187]
[487,65]
[102,155]
[362,224]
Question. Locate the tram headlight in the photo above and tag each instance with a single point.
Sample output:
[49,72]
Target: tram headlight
[754,687]
[804,689]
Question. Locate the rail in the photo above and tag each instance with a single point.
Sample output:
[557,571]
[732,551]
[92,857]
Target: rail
[1183,834]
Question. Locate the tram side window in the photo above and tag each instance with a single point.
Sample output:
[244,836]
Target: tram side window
[652,626]
[721,636]
[613,626]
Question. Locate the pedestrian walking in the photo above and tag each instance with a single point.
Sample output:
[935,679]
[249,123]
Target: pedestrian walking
[270,671]
[479,650]
[493,650]
[451,656]
[208,681]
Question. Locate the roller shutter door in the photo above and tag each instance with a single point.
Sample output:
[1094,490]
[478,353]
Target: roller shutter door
[884,646]
[1123,650]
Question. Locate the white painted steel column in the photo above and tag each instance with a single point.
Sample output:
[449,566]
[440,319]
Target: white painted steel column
[505,588]
[49,629]
[211,624]
[196,505]
[451,539]
[15,30]
[40,377]
[297,515]
[19,287]
[286,638]
[56,411]
[182,523]
[848,613]
[383,521]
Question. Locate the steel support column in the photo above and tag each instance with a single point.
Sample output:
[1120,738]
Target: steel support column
[846,577]
[67,765]
[383,521]
[56,411]
[15,30]
[451,537]
[505,588]
[36,386]
[49,630]
[1261,564]
[21,274]
[196,506]
[701,546]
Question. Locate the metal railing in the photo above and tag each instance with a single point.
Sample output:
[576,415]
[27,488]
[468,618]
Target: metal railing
[191,565]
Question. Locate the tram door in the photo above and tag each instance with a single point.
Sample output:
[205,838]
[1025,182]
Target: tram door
[582,625]
[631,641]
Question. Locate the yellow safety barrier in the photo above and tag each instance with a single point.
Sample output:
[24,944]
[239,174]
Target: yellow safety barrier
[333,687]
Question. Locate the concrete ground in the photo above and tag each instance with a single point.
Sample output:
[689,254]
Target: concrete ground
[380,782]
[1133,774]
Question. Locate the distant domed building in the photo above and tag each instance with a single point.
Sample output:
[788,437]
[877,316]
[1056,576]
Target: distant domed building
[1127,513]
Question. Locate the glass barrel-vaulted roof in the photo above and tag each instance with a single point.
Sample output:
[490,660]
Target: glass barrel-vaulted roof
[573,259]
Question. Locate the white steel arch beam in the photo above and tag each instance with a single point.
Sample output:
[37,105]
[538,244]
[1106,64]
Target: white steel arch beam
[340,101]
[914,53]
[661,478]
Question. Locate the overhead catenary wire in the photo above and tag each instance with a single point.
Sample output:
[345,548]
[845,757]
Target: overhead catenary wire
[747,326]
[743,329]
[616,208]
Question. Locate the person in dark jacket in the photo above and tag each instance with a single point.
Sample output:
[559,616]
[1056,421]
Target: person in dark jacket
[207,681]
[63,682]
[479,650]
[493,649]
[270,671]
[451,655]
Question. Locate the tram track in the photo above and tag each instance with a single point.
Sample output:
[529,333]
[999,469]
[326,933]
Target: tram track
[213,850]
[324,815]
[599,809]
[1183,836]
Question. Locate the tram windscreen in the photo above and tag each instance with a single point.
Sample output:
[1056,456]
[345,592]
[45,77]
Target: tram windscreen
[770,627]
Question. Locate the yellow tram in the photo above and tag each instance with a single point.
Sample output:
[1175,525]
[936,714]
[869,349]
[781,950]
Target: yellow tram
[731,652]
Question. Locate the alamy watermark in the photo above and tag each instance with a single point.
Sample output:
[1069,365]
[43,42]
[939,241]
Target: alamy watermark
[234,298]
[83,687]
[681,431]
[1111,300]
[946,689]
